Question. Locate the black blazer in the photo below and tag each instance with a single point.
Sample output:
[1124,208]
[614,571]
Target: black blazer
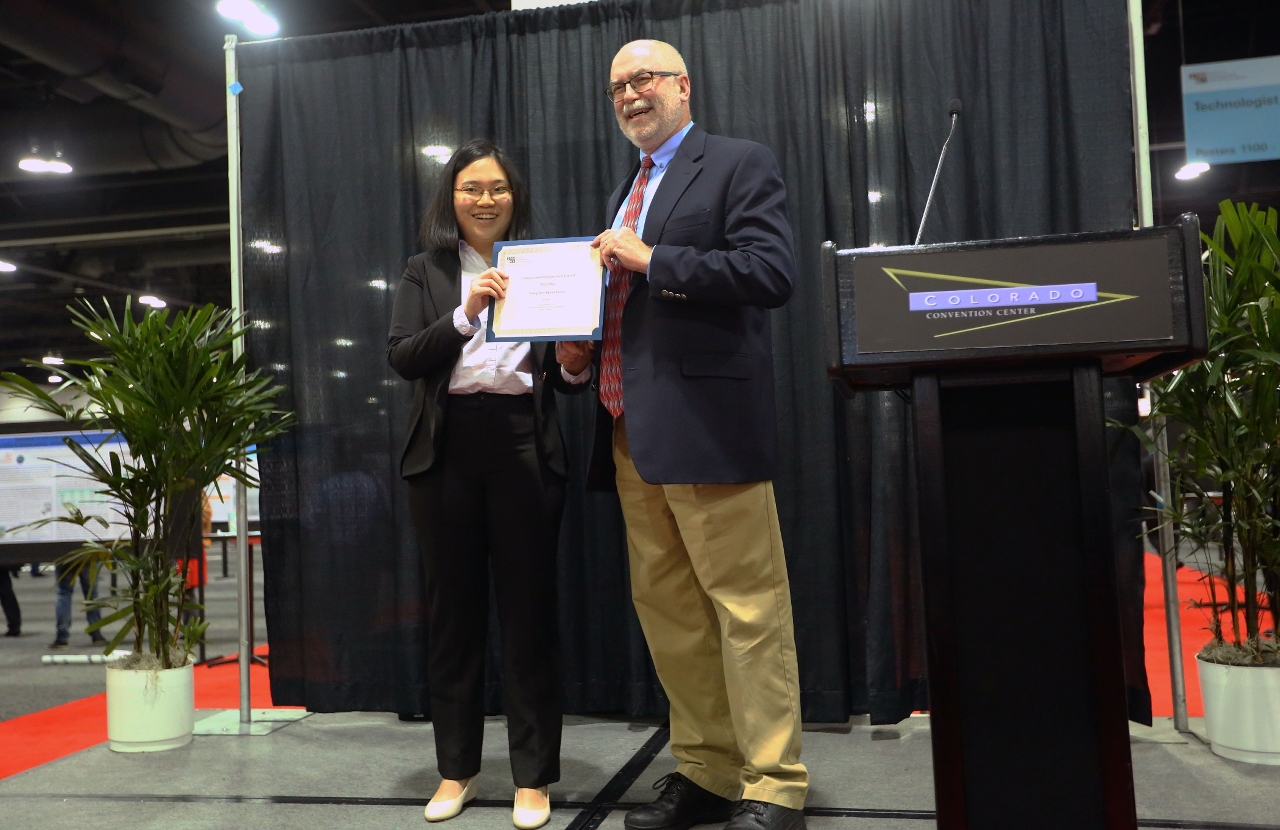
[423,346]
[697,355]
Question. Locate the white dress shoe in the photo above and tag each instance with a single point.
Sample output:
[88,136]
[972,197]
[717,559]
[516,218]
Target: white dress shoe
[446,808]
[527,819]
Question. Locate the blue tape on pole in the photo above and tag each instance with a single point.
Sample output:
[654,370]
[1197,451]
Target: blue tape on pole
[236,88]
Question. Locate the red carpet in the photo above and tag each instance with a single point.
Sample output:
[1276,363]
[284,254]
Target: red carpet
[40,737]
[1195,633]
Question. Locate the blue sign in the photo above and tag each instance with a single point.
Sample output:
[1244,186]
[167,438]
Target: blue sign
[54,439]
[1231,110]
[1076,292]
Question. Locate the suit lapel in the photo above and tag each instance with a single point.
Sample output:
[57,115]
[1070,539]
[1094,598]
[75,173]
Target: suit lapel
[539,350]
[444,284]
[684,168]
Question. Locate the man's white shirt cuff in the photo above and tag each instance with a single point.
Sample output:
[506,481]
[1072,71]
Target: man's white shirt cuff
[581,377]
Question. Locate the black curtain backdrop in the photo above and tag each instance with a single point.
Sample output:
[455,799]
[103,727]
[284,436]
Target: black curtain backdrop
[851,95]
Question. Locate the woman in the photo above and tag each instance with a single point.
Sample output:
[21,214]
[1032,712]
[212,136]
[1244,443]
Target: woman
[485,464]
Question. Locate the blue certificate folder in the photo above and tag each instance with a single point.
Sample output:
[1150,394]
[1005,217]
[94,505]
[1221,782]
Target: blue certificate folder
[596,334]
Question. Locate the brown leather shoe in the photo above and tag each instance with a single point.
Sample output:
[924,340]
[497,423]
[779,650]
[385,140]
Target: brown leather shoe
[681,805]
[761,815]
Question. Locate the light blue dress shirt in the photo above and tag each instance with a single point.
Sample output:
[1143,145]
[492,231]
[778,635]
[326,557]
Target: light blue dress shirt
[661,159]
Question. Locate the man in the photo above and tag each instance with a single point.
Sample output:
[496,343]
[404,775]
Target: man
[699,251]
[9,601]
[66,585]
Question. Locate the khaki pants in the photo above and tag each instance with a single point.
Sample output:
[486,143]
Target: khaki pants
[709,583]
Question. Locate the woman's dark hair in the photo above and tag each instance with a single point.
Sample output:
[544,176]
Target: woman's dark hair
[440,222]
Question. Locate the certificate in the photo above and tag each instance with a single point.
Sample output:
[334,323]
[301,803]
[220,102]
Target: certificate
[556,291]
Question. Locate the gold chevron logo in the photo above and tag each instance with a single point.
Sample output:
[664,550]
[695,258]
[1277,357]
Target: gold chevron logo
[895,273]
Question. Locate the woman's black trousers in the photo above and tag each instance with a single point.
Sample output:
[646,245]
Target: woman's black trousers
[490,509]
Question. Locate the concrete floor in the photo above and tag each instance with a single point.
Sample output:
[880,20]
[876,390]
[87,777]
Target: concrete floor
[359,770]
[28,686]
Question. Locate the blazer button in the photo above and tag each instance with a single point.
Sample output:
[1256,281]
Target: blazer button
[544,376]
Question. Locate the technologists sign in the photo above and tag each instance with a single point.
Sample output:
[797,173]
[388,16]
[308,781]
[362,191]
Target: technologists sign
[1231,110]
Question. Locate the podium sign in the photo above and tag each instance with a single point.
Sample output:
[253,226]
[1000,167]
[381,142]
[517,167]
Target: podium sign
[1003,346]
[1120,297]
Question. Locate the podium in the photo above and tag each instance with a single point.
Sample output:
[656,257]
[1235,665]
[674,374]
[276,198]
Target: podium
[1003,346]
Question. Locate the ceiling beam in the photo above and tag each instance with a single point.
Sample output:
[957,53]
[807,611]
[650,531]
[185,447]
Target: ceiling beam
[109,182]
[181,231]
[22,305]
[11,333]
[112,217]
[90,282]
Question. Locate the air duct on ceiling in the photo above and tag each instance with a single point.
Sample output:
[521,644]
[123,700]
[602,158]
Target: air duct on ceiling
[99,139]
[118,63]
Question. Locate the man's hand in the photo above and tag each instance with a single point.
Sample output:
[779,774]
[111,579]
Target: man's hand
[574,355]
[488,285]
[622,249]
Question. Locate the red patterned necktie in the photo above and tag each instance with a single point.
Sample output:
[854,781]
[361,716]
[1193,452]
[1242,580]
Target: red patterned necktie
[615,300]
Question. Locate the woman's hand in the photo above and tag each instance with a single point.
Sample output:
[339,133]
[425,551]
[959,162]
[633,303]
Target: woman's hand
[490,284]
[574,355]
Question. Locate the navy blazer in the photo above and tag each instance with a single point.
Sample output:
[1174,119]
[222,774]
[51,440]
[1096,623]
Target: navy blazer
[697,353]
[423,346]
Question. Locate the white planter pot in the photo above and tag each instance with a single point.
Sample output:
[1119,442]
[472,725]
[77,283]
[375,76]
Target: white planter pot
[148,711]
[1242,711]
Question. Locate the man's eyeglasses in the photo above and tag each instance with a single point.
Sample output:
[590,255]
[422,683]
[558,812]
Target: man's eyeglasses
[640,82]
[471,193]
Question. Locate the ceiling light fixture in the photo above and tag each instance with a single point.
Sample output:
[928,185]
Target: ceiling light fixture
[7,266]
[1190,171]
[153,301]
[251,15]
[55,378]
[51,360]
[31,164]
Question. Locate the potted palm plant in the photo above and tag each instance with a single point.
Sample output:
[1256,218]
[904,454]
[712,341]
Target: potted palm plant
[1224,458]
[187,409]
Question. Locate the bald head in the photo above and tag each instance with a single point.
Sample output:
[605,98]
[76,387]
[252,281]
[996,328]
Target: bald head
[655,54]
[651,115]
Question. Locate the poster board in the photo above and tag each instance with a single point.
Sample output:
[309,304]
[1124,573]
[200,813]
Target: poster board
[38,478]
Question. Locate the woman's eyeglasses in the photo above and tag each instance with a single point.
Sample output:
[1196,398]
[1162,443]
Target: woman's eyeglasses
[471,193]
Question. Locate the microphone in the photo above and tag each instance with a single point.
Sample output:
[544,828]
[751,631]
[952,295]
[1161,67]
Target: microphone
[953,109]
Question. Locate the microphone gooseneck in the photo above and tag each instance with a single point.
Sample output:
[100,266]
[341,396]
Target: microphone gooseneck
[953,109]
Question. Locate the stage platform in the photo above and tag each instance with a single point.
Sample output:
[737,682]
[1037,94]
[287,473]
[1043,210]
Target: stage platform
[366,770]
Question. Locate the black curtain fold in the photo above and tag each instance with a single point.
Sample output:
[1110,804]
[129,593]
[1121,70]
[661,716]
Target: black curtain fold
[851,95]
